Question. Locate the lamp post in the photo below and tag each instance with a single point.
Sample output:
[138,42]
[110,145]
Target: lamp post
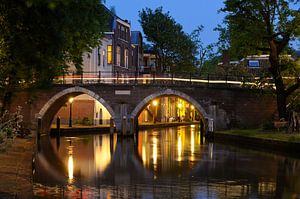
[70,117]
[179,106]
[155,103]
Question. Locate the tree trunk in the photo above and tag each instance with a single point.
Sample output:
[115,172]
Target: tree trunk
[276,73]
[281,100]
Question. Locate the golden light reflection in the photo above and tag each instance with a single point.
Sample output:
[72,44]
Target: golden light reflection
[192,144]
[102,152]
[211,150]
[154,151]
[192,107]
[70,165]
[179,147]
[144,158]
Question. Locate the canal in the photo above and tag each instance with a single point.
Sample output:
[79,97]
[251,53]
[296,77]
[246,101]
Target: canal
[160,163]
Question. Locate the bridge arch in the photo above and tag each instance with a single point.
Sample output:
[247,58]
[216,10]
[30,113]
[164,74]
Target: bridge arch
[52,106]
[168,92]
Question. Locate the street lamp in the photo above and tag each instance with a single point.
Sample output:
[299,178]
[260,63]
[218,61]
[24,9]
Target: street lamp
[179,106]
[70,117]
[154,103]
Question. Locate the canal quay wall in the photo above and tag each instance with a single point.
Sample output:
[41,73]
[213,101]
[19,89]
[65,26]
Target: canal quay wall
[227,106]
[284,147]
[16,169]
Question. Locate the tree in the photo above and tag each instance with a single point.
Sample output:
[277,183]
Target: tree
[203,52]
[173,47]
[269,26]
[39,39]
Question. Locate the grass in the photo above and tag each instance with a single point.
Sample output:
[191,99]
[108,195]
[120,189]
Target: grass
[271,135]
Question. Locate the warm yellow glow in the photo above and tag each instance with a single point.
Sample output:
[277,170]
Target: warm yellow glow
[179,147]
[109,54]
[192,142]
[71,99]
[179,105]
[154,151]
[192,107]
[154,102]
[144,158]
[70,168]
[102,153]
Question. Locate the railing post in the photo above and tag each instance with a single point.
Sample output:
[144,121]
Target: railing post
[99,77]
[172,78]
[73,76]
[153,77]
[135,77]
[190,78]
[117,77]
[226,79]
[63,82]
[81,77]
[208,79]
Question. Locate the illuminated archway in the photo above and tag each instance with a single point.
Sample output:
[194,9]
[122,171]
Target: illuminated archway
[168,92]
[57,101]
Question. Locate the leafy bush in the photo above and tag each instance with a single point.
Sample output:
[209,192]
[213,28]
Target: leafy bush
[85,121]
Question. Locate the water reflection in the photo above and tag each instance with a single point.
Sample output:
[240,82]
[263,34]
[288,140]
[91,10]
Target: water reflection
[166,163]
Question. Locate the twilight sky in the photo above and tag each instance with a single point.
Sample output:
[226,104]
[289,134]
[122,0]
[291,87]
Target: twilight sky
[189,13]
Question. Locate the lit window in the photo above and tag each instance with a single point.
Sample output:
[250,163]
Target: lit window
[109,54]
[126,58]
[118,56]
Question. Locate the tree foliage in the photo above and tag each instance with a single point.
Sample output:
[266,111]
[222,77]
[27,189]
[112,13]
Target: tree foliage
[40,38]
[174,48]
[204,52]
[264,26]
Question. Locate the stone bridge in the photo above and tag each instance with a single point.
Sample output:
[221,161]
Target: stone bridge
[226,105]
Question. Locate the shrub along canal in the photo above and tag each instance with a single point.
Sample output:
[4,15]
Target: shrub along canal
[160,163]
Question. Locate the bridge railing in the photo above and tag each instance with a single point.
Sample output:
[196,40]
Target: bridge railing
[161,78]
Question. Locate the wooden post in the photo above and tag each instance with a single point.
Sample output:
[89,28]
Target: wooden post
[202,129]
[111,126]
[132,126]
[57,132]
[39,128]
[124,125]
[58,126]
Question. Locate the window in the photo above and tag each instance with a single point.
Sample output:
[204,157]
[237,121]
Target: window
[99,57]
[103,58]
[253,64]
[126,57]
[109,54]
[118,56]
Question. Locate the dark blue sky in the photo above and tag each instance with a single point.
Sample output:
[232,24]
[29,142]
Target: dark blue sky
[189,13]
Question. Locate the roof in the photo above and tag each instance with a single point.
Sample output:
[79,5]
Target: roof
[135,35]
[113,17]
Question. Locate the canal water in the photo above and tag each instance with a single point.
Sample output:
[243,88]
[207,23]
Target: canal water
[160,163]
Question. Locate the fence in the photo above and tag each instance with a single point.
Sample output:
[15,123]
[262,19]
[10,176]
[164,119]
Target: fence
[162,79]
